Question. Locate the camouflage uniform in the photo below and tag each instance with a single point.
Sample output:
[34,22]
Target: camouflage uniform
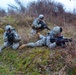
[52,35]
[36,24]
[16,39]
[40,42]
[45,40]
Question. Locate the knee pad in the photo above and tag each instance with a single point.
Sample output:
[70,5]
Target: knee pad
[15,46]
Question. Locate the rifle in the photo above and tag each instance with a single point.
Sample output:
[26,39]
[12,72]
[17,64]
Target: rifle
[43,26]
[60,41]
[10,36]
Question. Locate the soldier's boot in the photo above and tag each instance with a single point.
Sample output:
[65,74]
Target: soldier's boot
[22,46]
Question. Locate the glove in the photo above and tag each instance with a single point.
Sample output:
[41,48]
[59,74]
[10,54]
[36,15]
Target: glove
[39,25]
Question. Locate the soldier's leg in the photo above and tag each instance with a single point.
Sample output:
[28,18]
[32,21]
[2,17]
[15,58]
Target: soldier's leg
[27,45]
[36,44]
[6,44]
[15,46]
[33,32]
[52,45]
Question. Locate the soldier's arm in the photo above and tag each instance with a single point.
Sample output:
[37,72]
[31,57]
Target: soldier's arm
[16,36]
[45,26]
[5,37]
[49,43]
[35,23]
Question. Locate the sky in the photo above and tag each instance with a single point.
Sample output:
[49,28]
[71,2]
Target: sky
[69,5]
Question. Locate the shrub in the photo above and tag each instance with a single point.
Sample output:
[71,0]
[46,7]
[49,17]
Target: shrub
[1,30]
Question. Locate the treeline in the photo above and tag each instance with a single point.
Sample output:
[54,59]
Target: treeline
[54,12]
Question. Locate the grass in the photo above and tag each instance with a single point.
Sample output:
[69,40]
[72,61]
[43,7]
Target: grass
[38,60]
[1,40]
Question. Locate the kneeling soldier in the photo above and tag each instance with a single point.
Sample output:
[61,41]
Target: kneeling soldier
[11,38]
[39,25]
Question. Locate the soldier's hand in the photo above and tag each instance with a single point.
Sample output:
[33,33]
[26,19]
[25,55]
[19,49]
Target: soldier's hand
[71,39]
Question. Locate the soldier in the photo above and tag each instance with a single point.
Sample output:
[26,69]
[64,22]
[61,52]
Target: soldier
[53,39]
[11,38]
[54,34]
[38,25]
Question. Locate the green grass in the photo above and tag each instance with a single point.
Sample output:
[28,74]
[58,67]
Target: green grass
[1,40]
[33,61]
[72,71]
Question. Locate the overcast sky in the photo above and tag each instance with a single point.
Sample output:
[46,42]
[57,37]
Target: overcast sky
[69,4]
